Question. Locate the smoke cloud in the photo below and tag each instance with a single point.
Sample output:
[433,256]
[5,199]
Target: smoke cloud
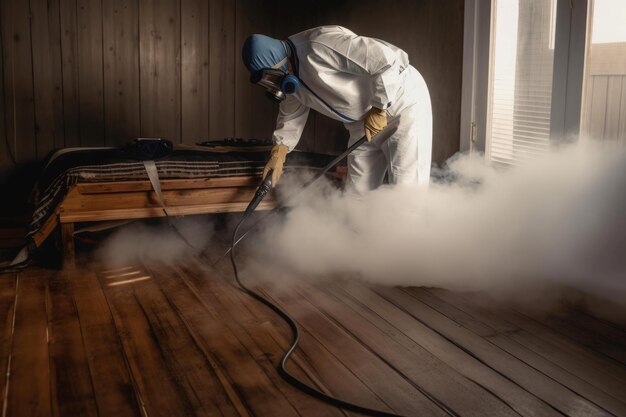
[142,242]
[558,220]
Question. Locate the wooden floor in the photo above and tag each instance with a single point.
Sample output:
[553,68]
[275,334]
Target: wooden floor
[159,340]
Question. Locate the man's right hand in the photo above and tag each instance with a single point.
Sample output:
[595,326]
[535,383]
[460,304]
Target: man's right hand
[276,162]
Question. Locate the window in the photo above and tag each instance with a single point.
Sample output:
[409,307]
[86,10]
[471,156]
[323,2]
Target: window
[520,79]
[604,100]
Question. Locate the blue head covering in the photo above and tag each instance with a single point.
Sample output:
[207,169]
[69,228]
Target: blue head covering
[260,52]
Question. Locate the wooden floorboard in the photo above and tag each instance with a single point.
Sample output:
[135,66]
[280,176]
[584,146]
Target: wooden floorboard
[159,391]
[553,393]
[7,314]
[552,360]
[442,384]
[29,373]
[358,377]
[254,388]
[371,371]
[71,384]
[260,332]
[114,391]
[610,333]
[158,339]
[568,328]
[547,353]
[409,332]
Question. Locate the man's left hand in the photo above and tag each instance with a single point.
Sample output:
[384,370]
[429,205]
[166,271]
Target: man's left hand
[375,122]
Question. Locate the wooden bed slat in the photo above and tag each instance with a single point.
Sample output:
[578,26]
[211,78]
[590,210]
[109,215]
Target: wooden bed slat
[136,200]
[182,184]
[91,202]
[143,213]
[147,199]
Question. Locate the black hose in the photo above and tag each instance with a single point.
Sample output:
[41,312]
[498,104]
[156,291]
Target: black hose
[295,333]
[295,338]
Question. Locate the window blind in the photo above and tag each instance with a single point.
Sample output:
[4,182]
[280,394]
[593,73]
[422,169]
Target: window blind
[521,70]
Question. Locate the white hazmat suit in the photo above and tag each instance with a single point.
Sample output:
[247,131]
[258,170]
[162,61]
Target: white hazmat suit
[344,75]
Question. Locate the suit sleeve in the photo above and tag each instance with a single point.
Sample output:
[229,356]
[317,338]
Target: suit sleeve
[292,116]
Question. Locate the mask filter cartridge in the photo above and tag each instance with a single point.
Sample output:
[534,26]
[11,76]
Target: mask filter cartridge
[276,83]
[290,84]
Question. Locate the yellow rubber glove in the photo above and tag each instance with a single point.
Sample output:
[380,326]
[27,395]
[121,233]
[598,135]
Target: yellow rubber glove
[276,162]
[375,121]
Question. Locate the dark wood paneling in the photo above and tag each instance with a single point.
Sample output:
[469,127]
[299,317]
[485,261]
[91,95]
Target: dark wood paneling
[5,153]
[46,48]
[330,135]
[195,70]
[444,75]
[159,68]
[18,80]
[69,65]
[288,25]
[90,73]
[121,70]
[254,115]
[222,57]
[56,62]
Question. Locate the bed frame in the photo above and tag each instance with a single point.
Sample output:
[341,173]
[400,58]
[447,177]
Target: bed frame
[124,200]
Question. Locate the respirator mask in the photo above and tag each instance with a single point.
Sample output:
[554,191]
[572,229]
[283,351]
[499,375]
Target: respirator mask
[277,83]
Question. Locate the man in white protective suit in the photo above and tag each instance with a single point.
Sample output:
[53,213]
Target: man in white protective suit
[366,83]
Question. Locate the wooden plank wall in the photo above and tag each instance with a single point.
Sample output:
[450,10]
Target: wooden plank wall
[101,72]
[604,112]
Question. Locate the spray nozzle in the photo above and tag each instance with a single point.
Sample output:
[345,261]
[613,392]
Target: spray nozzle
[260,194]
